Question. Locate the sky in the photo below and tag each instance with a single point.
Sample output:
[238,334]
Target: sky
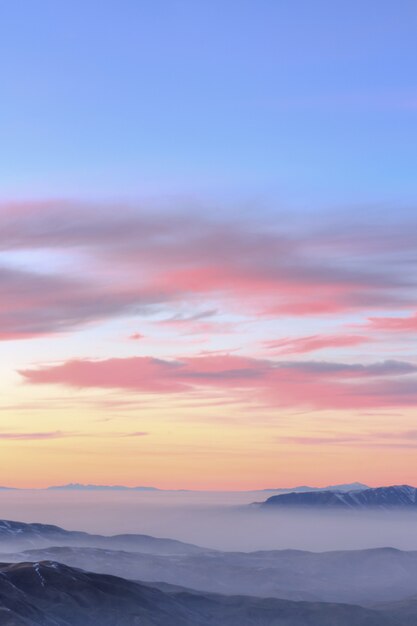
[208,243]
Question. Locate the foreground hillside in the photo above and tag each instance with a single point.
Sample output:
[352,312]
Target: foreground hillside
[51,594]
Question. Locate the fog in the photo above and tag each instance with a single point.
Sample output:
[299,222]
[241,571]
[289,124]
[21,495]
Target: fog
[220,520]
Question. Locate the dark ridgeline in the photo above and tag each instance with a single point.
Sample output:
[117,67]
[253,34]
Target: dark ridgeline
[394,497]
[21,536]
[364,577]
[51,594]
[352,576]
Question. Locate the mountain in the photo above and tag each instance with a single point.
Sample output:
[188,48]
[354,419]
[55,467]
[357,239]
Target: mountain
[52,594]
[84,487]
[406,609]
[397,496]
[351,576]
[20,536]
[354,576]
[81,487]
[93,487]
[305,488]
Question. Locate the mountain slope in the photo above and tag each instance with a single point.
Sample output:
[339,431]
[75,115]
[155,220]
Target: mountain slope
[354,576]
[305,488]
[16,536]
[51,594]
[398,496]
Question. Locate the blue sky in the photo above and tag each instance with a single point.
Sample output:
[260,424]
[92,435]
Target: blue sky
[207,237]
[301,103]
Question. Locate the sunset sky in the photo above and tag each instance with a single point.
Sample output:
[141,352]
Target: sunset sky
[208,243]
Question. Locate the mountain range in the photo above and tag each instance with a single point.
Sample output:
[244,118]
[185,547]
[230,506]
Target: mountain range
[352,576]
[393,497]
[82,487]
[52,594]
[304,488]
[20,536]
[94,487]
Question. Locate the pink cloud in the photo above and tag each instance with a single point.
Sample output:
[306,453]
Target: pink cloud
[314,384]
[394,324]
[135,260]
[136,336]
[302,345]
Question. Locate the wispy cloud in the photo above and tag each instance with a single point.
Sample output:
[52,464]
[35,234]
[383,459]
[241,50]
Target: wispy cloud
[312,384]
[406,439]
[136,336]
[56,434]
[312,343]
[128,261]
[394,324]
[59,434]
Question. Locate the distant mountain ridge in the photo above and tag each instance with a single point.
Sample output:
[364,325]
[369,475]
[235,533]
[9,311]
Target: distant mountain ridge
[83,487]
[393,497]
[47,593]
[22,536]
[300,488]
[305,488]
[95,487]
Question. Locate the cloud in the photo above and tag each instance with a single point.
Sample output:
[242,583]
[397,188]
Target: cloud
[375,440]
[146,374]
[199,323]
[179,319]
[394,324]
[318,441]
[136,336]
[34,304]
[389,367]
[57,434]
[318,385]
[126,261]
[302,345]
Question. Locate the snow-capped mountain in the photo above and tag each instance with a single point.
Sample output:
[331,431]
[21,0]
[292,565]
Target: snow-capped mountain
[396,496]
[302,488]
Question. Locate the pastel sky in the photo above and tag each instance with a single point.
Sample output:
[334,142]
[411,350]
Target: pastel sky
[208,242]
